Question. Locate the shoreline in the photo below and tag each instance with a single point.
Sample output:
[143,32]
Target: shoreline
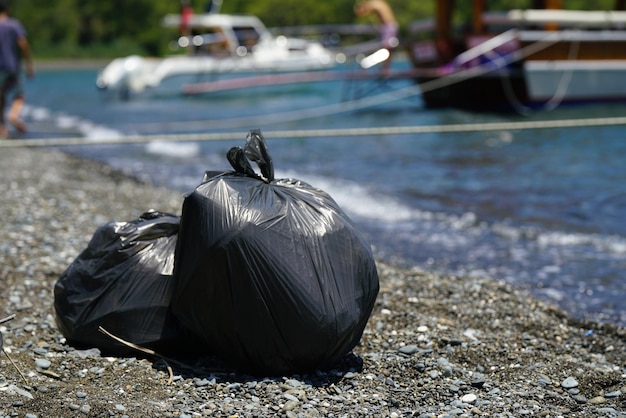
[69,64]
[434,345]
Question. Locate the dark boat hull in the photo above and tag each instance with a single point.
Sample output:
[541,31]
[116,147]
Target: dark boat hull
[502,90]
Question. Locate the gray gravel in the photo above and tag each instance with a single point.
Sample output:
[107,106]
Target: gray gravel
[435,346]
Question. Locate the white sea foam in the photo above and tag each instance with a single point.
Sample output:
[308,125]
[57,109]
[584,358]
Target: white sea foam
[70,124]
[36,113]
[173,149]
[357,200]
[99,132]
[552,293]
[67,121]
[607,243]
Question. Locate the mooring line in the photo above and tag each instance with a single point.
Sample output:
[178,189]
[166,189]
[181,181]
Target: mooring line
[322,133]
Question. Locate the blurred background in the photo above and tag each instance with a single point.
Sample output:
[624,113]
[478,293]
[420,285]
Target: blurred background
[106,29]
[541,208]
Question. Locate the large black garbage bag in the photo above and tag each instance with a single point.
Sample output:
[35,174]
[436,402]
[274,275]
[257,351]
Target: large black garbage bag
[123,282]
[271,274]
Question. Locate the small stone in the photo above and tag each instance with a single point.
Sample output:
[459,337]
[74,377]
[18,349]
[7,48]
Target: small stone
[469,398]
[233,387]
[471,334]
[290,405]
[609,412]
[85,409]
[14,389]
[290,397]
[597,400]
[478,380]
[422,328]
[443,362]
[293,383]
[420,367]
[408,349]
[202,382]
[613,394]
[569,383]
[81,395]
[457,403]
[544,380]
[42,363]
[580,398]
[120,407]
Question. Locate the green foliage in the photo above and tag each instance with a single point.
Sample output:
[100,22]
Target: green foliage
[95,27]
[104,29]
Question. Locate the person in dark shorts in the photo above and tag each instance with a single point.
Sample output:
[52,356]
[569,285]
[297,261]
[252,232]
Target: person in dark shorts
[13,47]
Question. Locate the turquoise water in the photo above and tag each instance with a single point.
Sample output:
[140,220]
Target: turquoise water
[542,209]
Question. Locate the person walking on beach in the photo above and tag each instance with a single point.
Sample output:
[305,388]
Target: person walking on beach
[382,10]
[13,47]
[388,22]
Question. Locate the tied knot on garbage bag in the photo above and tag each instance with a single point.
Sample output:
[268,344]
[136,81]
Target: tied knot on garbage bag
[269,274]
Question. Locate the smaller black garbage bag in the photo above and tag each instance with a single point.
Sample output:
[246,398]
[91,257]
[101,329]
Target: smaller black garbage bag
[123,282]
[271,274]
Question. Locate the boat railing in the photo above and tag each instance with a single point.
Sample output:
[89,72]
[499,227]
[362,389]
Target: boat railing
[326,29]
[563,18]
[486,47]
[201,40]
[220,43]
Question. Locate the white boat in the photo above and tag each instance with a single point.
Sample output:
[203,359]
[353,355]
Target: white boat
[217,45]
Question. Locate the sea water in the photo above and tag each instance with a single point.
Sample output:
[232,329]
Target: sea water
[542,209]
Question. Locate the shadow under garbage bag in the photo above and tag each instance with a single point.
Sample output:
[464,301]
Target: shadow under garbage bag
[269,275]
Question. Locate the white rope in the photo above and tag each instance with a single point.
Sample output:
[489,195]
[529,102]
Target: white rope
[324,133]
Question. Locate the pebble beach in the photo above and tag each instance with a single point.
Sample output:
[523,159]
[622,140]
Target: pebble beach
[435,345]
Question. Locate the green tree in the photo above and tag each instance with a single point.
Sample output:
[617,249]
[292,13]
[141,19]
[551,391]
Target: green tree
[96,28]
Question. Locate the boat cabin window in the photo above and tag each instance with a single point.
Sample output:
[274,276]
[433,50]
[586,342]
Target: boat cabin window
[211,41]
[247,36]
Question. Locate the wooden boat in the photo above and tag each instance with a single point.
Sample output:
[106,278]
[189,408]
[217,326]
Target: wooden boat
[218,45]
[519,59]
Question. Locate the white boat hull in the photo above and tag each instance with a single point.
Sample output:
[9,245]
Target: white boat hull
[575,81]
[231,45]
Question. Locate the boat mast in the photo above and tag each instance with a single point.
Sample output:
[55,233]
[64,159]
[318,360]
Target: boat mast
[478,8]
[444,30]
[444,41]
[555,5]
